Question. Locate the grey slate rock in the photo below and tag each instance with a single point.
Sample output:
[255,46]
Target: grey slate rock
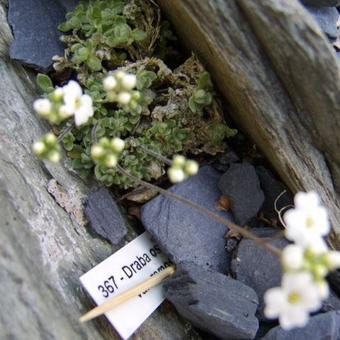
[241,184]
[320,327]
[272,188]
[334,280]
[327,18]
[36,37]
[213,302]
[321,3]
[104,216]
[331,303]
[183,233]
[257,268]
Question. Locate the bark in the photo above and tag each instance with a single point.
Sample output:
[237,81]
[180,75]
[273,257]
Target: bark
[281,80]
[43,249]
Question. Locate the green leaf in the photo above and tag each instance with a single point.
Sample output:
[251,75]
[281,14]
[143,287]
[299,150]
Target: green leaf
[45,83]
[145,79]
[202,97]
[138,35]
[192,104]
[94,63]
[122,33]
[204,81]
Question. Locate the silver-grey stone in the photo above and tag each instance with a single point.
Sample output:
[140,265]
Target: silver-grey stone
[241,184]
[213,302]
[104,216]
[183,233]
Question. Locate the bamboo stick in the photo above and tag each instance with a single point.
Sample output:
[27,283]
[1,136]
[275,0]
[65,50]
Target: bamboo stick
[119,299]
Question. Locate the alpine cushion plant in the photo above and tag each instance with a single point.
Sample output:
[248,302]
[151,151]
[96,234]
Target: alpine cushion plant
[167,110]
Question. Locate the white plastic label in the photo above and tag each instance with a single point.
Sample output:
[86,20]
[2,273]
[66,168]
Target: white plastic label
[129,266]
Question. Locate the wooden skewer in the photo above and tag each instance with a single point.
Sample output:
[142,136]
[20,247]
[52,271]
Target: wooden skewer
[117,300]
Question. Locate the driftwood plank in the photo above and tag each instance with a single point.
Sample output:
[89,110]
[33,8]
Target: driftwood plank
[285,96]
[42,250]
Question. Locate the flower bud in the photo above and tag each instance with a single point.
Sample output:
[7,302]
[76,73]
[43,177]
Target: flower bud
[54,156]
[320,271]
[191,167]
[117,144]
[50,138]
[42,106]
[39,148]
[109,83]
[97,151]
[120,75]
[111,161]
[124,98]
[129,81]
[176,175]
[58,94]
[178,161]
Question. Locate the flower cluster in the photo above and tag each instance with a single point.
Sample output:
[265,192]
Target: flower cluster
[48,148]
[65,102]
[181,168]
[106,152]
[120,88]
[306,263]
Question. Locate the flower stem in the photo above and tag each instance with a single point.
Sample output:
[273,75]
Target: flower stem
[156,155]
[242,231]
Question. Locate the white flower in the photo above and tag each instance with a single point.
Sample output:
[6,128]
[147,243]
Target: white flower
[109,83]
[72,93]
[124,98]
[306,200]
[42,106]
[191,167]
[292,257]
[293,302]
[333,259]
[117,144]
[323,289]
[129,81]
[176,175]
[84,110]
[307,221]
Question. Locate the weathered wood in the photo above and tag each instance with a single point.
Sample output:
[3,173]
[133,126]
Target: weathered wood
[43,251]
[288,103]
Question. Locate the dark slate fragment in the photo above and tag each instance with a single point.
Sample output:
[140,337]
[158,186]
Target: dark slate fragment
[36,37]
[272,188]
[257,268]
[327,18]
[334,281]
[104,216]
[213,302]
[321,3]
[320,327]
[69,5]
[331,303]
[241,184]
[183,233]
[223,162]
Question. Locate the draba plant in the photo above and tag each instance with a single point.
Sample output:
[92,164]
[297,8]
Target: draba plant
[172,110]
